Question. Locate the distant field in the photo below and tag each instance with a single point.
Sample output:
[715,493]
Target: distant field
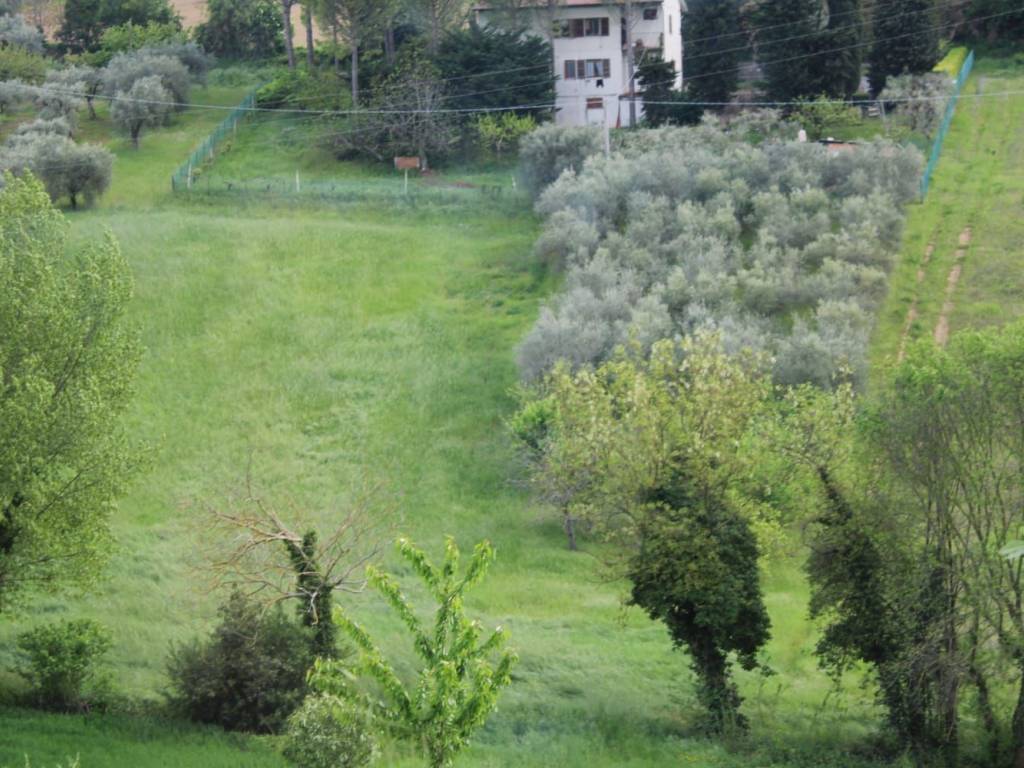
[962,262]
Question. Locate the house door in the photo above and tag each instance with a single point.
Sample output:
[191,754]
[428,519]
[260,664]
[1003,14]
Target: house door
[595,111]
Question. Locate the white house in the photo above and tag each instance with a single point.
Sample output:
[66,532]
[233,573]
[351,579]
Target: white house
[589,38]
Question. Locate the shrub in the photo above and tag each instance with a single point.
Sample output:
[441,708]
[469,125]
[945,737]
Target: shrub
[197,61]
[19,64]
[499,133]
[329,732]
[552,149]
[13,93]
[61,663]
[131,37]
[250,675]
[57,126]
[953,61]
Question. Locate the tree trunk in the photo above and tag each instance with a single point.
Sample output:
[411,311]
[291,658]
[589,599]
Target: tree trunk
[389,44]
[355,75]
[92,107]
[570,531]
[308,19]
[334,47]
[135,136]
[286,18]
[74,201]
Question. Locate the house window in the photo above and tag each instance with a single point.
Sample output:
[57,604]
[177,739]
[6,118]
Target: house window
[594,27]
[586,69]
[650,14]
[595,103]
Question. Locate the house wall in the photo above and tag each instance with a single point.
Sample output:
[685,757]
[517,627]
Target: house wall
[573,95]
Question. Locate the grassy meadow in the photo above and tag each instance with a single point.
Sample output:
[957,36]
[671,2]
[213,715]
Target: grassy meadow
[320,348]
[979,185]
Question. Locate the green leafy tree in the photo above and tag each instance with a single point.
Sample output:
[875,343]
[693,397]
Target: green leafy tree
[459,682]
[242,29]
[659,456]
[131,37]
[713,48]
[330,732]
[68,360]
[358,22]
[906,40]
[86,20]
[995,21]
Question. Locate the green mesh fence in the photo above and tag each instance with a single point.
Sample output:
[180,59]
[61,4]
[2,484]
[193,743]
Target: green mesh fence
[947,119]
[205,153]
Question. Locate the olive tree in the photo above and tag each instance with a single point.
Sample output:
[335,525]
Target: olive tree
[81,81]
[15,32]
[69,171]
[125,69]
[461,675]
[12,93]
[145,104]
[69,359]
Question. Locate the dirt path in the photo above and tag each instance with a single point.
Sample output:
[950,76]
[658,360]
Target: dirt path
[942,327]
[912,312]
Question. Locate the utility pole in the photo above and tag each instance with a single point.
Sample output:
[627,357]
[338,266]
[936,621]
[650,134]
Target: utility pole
[630,64]
[607,127]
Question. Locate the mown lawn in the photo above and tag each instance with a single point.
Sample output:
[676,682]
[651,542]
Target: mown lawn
[318,348]
[979,184]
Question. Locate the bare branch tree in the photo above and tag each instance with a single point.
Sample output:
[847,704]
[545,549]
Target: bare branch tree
[281,556]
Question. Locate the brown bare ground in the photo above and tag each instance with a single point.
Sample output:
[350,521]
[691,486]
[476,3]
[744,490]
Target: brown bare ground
[912,312]
[942,326]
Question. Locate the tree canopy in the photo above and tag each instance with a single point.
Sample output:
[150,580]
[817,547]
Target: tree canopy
[67,368]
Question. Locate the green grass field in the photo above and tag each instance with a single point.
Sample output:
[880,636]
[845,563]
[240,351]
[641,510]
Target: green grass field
[323,346]
[979,184]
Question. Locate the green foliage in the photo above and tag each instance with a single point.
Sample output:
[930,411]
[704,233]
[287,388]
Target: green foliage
[242,29]
[131,37]
[74,172]
[995,21]
[86,20]
[713,48]
[61,664]
[125,69]
[465,53]
[502,132]
[662,104]
[907,40]
[660,456]
[69,357]
[820,115]
[15,32]
[20,64]
[697,571]
[458,683]
[330,732]
[250,675]
[788,35]
[302,89]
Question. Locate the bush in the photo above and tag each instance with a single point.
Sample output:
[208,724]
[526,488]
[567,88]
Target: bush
[919,99]
[552,149]
[953,61]
[131,37]
[197,61]
[503,132]
[19,64]
[328,732]
[61,661]
[13,93]
[250,675]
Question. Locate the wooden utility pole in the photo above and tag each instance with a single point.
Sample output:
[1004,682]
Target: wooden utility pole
[630,64]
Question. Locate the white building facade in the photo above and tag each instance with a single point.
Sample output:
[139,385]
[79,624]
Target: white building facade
[591,56]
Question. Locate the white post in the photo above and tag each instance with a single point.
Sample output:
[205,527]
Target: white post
[189,182]
[406,181]
[297,187]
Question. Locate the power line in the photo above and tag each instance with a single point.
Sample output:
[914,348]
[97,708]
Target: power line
[816,54]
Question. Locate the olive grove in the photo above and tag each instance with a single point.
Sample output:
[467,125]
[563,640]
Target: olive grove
[782,247]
